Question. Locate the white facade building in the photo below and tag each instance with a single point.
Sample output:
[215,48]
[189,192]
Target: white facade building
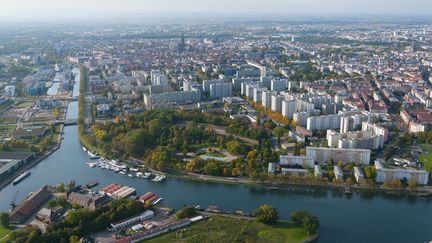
[266,98]
[124,223]
[294,172]
[390,174]
[288,108]
[338,173]
[376,130]
[279,85]
[301,118]
[271,168]
[276,103]
[348,156]
[317,171]
[220,90]
[304,161]
[157,78]
[358,174]
[357,139]
[323,122]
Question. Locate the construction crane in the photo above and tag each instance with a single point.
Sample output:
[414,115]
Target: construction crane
[12,204]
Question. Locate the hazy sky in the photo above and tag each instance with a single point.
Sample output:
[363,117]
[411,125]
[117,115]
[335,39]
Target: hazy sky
[48,9]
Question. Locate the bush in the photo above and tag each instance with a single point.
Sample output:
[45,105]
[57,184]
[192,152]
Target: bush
[186,212]
[309,222]
[4,219]
[266,214]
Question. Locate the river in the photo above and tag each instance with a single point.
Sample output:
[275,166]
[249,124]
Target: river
[362,217]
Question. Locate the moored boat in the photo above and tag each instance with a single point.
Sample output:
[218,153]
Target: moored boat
[348,191]
[91,155]
[159,200]
[21,177]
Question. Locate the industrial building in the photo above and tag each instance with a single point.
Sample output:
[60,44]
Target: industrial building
[11,161]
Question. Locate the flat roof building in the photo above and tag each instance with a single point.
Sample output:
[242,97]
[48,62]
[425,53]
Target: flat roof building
[338,173]
[358,174]
[11,161]
[383,174]
[294,172]
[291,160]
[348,156]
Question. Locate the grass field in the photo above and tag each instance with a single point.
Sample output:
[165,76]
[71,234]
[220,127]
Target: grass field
[426,157]
[7,127]
[3,233]
[220,229]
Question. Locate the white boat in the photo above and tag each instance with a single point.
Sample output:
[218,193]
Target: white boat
[21,177]
[122,172]
[91,165]
[130,175]
[92,156]
[159,178]
[85,150]
[157,201]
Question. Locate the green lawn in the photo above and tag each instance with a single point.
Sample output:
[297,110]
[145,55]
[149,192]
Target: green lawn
[3,233]
[426,157]
[222,229]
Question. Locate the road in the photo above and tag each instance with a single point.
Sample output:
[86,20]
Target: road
[221,131]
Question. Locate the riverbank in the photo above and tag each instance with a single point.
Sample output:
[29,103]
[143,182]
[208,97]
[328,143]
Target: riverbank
[222,228]
[278,185]
[273,185]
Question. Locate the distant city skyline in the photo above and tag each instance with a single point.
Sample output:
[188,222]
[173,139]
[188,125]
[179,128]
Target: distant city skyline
[75,9]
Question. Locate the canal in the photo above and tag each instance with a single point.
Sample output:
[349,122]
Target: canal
[361,217]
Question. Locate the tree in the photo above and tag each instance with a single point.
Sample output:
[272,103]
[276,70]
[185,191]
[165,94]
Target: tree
[297,217]
[70,186]
[370,172]
[52,129]
[185,147]
[212,168]
[148,204]
[309,222]
[234,147]
[136,141]
[186,212]
[4,219]
[412,184]
[60,187]
[73,239]
[192,165]
[279,132]
[56,112]
[266,214]
[349,181]
[297,149]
